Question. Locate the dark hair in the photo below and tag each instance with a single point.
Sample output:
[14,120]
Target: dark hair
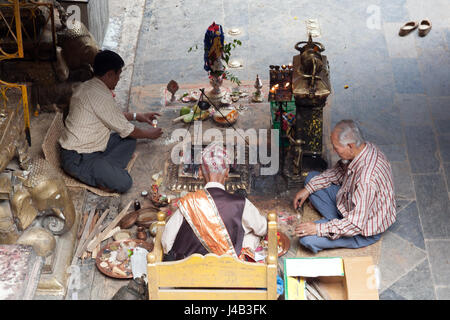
[105,61]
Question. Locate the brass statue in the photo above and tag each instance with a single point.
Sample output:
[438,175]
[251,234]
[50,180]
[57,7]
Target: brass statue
[296,145]
[310,86]
[35,191]
[310,77]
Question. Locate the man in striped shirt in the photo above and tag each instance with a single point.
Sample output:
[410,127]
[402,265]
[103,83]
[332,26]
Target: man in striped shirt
[98,140]
[355,197]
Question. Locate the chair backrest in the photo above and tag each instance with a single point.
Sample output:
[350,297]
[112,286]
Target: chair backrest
[213,277]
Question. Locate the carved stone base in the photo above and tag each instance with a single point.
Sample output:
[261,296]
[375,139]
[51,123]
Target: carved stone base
[56,268]
[257,97]
[293,180]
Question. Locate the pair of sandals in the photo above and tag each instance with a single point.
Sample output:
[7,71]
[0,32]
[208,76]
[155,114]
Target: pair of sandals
[424,27]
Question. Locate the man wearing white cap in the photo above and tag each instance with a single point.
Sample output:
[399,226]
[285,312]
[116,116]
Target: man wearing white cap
[212,220]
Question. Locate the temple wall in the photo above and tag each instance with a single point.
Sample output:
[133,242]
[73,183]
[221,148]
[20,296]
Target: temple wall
[94,14]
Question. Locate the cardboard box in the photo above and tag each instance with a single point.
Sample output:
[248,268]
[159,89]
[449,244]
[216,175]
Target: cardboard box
[349,278]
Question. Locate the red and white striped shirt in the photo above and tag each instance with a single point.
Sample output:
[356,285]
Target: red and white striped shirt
[365,199]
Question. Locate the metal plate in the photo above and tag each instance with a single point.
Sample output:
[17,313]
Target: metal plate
[285,244]
[125,265]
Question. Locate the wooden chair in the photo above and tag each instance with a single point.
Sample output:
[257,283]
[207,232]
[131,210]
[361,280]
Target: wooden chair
[212,277]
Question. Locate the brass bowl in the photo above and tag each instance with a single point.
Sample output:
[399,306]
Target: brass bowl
[160,204]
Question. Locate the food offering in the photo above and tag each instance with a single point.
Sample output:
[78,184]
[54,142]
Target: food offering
[114,260]
[226,116]
[283,244]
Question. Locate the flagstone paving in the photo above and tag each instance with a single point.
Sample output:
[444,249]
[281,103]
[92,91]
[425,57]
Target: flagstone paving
[398,90]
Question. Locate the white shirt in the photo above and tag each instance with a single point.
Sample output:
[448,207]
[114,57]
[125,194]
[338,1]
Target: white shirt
[254,224]
[93,114]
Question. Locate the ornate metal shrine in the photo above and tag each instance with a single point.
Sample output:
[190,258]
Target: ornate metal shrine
[185,176]
[306,85]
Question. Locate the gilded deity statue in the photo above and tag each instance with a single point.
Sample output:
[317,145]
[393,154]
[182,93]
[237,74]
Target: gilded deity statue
[35,191]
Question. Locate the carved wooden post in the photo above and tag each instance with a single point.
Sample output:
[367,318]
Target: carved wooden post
[152,274]
[154,257]
[272,256]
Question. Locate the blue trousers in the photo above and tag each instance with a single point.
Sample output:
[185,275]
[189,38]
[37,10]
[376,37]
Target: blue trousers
[325,202]
[102,169]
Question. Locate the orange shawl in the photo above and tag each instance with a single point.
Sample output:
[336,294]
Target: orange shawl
[200,211]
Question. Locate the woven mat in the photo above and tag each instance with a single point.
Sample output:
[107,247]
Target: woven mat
[373,250]
[51,149]
[296,250]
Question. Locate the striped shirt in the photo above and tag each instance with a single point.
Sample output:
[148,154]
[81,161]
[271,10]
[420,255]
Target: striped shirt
[365,198]
[92,116]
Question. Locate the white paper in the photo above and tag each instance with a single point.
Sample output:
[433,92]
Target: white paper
[139,262]
[314,267]
[259,256]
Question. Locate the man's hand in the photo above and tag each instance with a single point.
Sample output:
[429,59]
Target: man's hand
[306,229]
[153,133]
[147,117]
[148,133]
[300,197]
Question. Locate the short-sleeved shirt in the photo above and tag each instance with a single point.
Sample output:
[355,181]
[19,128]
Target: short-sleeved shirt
[93,115]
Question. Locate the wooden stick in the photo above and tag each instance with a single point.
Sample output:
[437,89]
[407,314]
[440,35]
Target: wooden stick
[84,235]
[105,237]
[178,119]
[111,226]
[97,248]
[95,251]
[109,235]
[132,161]
[93,223]
[82,225]
[89,238]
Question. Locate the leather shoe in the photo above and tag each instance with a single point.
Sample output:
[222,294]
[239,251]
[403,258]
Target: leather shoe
[424,27]
[407,28]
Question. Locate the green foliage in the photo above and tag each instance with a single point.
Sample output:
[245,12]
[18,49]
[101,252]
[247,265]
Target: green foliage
[193,48]
[227,48]
[232,77]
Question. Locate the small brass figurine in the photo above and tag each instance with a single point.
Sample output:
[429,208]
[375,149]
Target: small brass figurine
[172,87]
[257,96]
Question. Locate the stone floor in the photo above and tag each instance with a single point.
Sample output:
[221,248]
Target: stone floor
[398,90]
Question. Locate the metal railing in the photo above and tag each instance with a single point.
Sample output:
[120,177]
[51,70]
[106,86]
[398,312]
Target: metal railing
[5,86]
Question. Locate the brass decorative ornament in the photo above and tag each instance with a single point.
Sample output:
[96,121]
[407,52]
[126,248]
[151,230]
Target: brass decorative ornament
[42,241]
